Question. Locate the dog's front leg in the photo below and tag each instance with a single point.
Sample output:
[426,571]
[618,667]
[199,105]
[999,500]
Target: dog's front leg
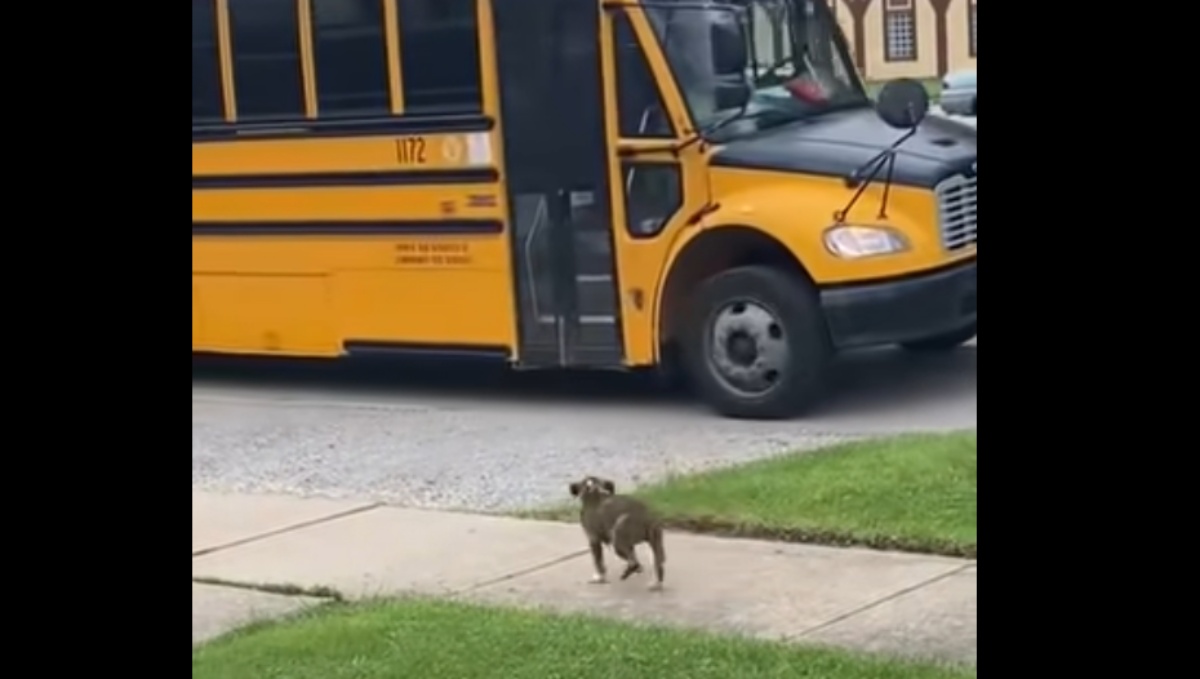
[597,561]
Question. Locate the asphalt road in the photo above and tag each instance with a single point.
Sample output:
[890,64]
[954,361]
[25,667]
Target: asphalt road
[476,438]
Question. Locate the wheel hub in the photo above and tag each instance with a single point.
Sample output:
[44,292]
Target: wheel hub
[742,349]
[747,348]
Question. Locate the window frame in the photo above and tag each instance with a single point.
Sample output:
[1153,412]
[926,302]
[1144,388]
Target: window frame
[215,56]
[435,13]
[300,113]
[323,111]
[972,27]
[622,19]
[900,8]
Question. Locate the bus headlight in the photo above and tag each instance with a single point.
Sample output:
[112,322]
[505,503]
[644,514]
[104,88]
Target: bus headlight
[854,242]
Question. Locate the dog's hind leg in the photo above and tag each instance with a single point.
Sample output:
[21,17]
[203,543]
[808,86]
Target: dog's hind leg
[624,546]
[626,551]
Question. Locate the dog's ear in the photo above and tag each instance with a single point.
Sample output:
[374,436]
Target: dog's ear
[609,486]
[575,488]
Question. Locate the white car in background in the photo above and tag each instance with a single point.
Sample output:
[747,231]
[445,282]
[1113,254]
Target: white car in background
[958,93]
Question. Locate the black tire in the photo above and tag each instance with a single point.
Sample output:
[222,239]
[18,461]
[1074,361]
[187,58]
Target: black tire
[670,375]
[796,312]
[944,343]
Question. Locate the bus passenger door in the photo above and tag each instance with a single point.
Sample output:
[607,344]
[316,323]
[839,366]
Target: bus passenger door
[660,170]
[557,178]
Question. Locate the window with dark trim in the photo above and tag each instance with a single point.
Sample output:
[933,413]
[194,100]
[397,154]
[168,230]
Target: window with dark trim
[350,58]
[641,111]
[207,102]
[267,74]
[653,193]
[971,25]
[899,30]
[439,53]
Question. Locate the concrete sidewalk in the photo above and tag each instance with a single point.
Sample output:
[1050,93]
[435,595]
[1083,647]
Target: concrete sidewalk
[899,603]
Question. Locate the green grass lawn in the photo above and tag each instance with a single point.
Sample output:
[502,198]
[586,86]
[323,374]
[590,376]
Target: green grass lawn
[913,493]
[408,639]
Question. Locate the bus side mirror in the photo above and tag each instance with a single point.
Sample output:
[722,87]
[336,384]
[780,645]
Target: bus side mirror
[732,94]
[902,103]
[728,44]
[731,63]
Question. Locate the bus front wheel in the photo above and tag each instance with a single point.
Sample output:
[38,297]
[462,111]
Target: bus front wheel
[756,346]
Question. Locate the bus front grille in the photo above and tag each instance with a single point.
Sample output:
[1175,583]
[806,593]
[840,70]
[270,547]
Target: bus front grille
[956,212]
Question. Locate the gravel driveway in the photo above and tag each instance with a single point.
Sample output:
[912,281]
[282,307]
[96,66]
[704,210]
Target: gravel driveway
[474,445]
[429,457]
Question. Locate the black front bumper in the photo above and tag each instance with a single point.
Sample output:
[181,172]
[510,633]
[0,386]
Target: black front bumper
[901,310]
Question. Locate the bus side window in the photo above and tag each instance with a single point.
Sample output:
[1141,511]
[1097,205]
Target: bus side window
[266,59]
[206,66]
[642,112]
[653,193]
[350,55]
[439,53]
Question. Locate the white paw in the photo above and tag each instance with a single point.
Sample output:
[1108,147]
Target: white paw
[598,579]
[656,587]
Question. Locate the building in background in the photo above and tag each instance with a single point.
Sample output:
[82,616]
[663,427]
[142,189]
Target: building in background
[908,38]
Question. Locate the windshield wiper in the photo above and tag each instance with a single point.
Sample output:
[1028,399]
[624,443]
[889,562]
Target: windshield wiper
[713,128]
[739,115]
[702,133]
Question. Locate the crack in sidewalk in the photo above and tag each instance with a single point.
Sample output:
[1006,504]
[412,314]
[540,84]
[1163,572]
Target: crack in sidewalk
[287,529]
[519,573]
[324,592]
[879,602]
[318,592]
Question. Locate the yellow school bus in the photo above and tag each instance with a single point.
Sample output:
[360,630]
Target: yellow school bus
[571,184]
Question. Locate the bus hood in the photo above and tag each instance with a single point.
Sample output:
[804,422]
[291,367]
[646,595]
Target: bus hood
[837,143]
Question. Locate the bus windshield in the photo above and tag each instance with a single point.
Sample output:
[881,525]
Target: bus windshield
[799,64]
